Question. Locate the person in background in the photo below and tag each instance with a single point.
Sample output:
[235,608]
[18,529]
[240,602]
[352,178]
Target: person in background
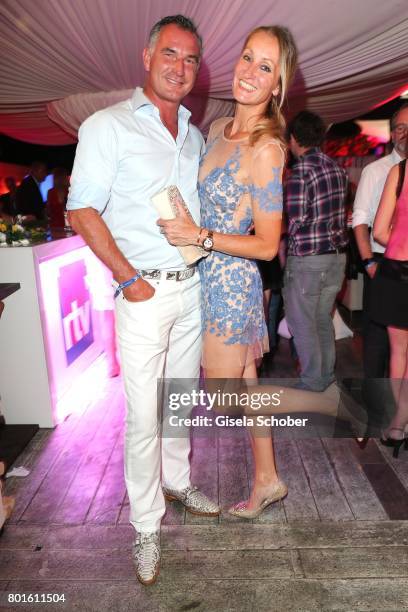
[375,337]
[8,203]
[315,205]
[57,198]
[29,200]
[271,274]
[368,195]
[389,297]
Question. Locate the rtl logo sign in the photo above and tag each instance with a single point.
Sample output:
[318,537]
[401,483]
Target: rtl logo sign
[75,309]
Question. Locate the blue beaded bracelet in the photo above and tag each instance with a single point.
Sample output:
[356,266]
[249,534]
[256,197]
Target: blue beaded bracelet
[122,286]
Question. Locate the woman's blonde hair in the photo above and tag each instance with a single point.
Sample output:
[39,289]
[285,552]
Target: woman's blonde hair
[273,123]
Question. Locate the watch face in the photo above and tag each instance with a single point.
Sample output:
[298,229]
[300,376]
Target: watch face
[208,243]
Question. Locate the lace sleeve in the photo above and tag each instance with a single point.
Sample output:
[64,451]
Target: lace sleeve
[266,187]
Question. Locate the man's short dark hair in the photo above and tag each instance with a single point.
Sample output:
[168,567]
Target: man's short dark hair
[182,22]
[307,128]
[394,115]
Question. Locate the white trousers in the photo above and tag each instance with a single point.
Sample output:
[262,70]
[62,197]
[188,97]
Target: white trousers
[158,338]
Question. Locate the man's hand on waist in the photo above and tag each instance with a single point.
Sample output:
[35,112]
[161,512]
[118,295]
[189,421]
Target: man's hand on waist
[139,291]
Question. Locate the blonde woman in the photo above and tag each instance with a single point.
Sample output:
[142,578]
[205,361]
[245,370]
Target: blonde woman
[240,186]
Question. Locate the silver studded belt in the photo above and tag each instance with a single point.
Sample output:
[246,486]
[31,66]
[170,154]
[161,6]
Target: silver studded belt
[177,275]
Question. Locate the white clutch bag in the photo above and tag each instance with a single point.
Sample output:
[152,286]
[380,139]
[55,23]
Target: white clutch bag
[165,202]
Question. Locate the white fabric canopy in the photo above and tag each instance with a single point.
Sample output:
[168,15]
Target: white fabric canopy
[61,60]
[70,112]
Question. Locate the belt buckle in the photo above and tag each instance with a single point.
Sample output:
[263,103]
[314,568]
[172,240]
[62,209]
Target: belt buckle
[184,274]
[151,273]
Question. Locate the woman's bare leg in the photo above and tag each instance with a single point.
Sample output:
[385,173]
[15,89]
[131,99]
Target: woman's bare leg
[330,402]
[399,352]
[244,380]
[265,473]
[399,378]
[266,300]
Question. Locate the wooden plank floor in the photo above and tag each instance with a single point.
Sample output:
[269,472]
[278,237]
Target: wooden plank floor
[339,541]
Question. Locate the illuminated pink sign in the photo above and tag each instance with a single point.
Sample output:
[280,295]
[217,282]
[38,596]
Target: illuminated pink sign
[72,332]
[75,309]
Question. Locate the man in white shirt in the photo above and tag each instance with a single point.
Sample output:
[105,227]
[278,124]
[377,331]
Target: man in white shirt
[368,196]
[126,154]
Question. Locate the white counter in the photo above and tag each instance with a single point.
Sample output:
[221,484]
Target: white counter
[48,331]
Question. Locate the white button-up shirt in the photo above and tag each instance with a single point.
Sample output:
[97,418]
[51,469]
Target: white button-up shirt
[369,192]
[126,155]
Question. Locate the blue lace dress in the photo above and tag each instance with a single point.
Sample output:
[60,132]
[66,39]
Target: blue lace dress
[232,189]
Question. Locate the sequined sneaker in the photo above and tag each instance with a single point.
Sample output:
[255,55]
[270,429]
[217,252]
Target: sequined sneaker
[193,500]
[146,556]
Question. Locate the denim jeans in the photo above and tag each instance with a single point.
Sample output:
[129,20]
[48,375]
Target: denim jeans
[311,284]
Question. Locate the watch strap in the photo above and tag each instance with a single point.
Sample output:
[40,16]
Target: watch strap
[208,242]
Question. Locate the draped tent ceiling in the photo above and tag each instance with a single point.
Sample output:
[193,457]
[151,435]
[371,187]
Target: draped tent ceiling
[61,60]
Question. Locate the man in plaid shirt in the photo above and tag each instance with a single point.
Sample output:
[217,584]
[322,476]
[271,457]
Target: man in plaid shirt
[315,201]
